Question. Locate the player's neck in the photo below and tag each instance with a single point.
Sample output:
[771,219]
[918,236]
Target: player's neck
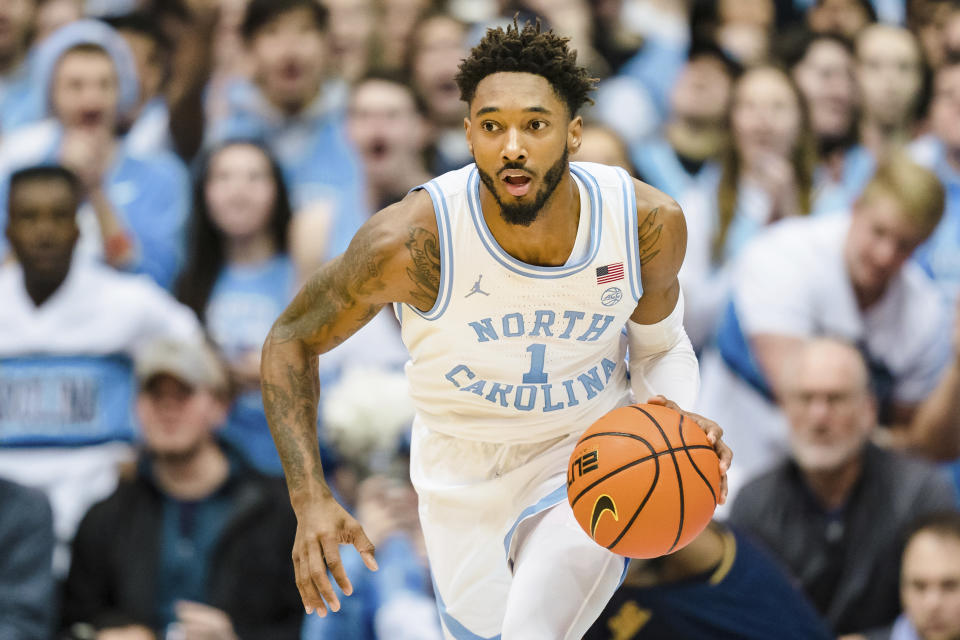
[548,240]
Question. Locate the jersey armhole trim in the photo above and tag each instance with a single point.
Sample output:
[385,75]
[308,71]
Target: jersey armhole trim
[446,253]
[631,234]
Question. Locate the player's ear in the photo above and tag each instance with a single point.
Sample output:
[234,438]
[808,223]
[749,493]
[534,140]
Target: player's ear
[466,129]
[575,134]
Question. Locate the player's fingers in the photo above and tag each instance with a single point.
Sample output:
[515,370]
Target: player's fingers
[725,454]
[664,402]
[723,489]
[319,578]
[331,556]
[309,559]
[299,579]
[713,431]
[366,549]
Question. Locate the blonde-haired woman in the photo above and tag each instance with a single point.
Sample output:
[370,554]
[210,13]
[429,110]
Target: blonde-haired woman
[767,175]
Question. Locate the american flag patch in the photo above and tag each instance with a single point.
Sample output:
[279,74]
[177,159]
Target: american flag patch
[610,273]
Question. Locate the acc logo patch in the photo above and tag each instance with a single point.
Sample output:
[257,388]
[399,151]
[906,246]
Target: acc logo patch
[611,296]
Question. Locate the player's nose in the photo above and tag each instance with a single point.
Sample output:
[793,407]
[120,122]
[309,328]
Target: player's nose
[513,146]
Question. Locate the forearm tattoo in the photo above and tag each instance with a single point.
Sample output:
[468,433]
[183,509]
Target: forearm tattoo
[330,307]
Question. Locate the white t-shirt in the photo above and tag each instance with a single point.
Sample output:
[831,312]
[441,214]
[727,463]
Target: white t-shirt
[66,384]
[793,281]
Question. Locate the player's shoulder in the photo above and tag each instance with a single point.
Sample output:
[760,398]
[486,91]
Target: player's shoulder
[652,200]
[394,238]
[661,233]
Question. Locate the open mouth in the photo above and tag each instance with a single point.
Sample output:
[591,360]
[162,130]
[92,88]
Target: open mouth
[377,150]
[91,118]
[517,184]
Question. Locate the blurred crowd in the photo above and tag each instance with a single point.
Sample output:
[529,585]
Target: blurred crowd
[171,171]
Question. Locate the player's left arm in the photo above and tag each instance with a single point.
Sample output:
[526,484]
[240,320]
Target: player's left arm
[662,362]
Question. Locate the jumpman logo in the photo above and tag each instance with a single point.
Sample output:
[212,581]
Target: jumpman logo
[476,288]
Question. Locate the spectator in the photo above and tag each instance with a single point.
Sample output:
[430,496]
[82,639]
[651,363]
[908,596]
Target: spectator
[721,585]
[387,124]
[745,29]
[695,134]
[15,67]
[353,37]
[147,125]
[846,276]
[172,73]
[766,175]
[928,19]
[836,511]
[601,144]
[26,563]
[239,276]
[67,332]
[929,579]
[615,38]
[438,44]
[300,116]
[397,21]
[195,541]
[52,15]
[890,75]
[823,67]
[940,255]
[844,17]
[137,203]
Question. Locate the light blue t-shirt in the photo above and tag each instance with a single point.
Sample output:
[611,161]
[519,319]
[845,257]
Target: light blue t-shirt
[244,303]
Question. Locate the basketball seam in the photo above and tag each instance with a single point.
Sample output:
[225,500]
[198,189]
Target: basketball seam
[655,454]
[653,485]
[694,464]
[676,466]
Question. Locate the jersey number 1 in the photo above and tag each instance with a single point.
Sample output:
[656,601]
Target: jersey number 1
[536,375]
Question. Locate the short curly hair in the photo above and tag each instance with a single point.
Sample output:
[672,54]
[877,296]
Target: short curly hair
[527,50]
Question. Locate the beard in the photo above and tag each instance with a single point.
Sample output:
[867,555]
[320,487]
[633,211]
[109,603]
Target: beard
[523,214]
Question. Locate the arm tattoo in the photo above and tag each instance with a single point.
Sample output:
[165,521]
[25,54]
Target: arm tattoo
[649,236]
[328,310]
[425,274]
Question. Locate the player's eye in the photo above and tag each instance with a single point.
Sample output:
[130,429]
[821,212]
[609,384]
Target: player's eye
[538,125]
[489,126]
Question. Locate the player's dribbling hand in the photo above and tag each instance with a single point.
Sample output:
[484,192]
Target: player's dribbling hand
[714,436]
[322,526]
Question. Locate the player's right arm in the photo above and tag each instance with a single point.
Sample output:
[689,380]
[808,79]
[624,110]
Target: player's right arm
[394,257]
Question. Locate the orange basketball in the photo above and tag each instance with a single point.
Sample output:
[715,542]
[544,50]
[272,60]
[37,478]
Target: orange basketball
[643,481]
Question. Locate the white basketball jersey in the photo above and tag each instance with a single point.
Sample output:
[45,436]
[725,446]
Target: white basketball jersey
[516,353]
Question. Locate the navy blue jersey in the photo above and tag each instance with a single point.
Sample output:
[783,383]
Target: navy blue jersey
[748,596]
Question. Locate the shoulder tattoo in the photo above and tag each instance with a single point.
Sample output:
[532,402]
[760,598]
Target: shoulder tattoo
[648,236]
[424,248]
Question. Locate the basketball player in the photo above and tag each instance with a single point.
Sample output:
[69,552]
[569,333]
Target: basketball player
[568,255]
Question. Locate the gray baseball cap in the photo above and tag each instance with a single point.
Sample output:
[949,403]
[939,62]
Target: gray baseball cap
[194,363]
